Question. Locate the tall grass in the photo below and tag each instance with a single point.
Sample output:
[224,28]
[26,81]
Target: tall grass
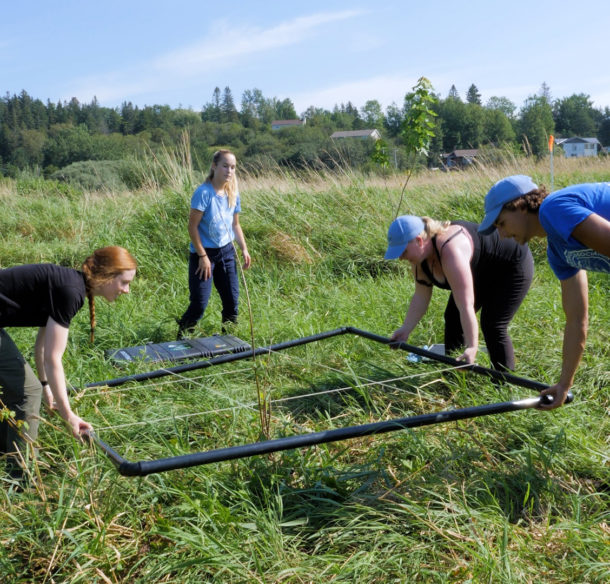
[516,498]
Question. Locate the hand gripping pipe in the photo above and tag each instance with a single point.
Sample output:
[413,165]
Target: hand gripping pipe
[146,467]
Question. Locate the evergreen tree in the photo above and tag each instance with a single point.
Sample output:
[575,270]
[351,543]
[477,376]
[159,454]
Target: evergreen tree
[228,111]
[473,95]
[128,118]
[545,91]
[211,110]
[453,94]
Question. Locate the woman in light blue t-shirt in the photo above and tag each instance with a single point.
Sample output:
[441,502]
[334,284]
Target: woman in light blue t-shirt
[212,226]
[576,223]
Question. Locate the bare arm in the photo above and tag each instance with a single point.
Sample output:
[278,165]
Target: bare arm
[594,232]
[417,308]
[241,240]
[47,395]
[455,261]
[575,301]
[204,270]
[50,346]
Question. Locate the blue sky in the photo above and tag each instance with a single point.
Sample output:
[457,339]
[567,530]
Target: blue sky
[321,53]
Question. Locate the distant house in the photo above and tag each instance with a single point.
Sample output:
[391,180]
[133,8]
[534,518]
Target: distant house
[361,134]
[279,124]
[459,158]
[577,147]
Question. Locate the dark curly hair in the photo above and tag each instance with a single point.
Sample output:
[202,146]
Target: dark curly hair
[530,201]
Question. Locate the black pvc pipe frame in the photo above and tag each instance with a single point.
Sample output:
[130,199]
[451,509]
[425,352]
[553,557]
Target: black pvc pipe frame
[146,467]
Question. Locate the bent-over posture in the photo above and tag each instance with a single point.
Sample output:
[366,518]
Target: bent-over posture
[48,296]
[576,224]
[482,272]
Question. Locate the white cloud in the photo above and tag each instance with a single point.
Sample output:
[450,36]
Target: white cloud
[230,42]
[186,65]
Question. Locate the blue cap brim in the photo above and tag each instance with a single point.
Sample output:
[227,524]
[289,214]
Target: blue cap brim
[487,225]
[394,252]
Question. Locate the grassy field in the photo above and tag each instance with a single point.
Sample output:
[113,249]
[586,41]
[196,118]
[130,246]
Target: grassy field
[515,498]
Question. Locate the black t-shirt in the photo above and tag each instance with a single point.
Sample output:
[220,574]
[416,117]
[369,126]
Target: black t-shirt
[29,294]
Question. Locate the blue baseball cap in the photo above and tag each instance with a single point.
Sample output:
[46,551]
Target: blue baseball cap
[402,230]
[505,190]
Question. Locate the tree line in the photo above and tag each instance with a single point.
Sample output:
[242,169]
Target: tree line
[47,137]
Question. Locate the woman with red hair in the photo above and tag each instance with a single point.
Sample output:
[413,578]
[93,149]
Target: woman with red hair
[48,296]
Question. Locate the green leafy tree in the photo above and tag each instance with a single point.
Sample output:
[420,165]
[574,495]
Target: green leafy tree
[247,112]
[372,114]
[452,115]
[536,124]
[379,154]
[497,127]
[474,126]
[284,110]
[317,116]
[603,134]
[418,126]
[67,144]
[502,104]
[575,116]
[393,120]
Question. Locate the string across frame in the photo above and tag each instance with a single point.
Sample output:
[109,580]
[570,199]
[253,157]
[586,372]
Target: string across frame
[146,467]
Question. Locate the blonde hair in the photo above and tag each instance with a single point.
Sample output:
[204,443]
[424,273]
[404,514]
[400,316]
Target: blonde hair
[231,186]
[434,227]
[100,267]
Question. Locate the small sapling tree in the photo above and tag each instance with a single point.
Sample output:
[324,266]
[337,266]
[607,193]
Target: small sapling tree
[418,126]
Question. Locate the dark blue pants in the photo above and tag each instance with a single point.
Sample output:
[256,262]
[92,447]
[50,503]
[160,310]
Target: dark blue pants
[225,279]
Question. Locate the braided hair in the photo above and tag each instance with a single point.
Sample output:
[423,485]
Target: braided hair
[100,267]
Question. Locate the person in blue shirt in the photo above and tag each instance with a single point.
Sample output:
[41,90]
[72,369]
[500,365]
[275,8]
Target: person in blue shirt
[576,223]
[212,226]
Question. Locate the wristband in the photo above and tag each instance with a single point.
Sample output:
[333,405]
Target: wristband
[205,255]
[43,383]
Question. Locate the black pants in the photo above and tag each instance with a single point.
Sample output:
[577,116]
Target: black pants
[21,393]
[499,292]
[225,280]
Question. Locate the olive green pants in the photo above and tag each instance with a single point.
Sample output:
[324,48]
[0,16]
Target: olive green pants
[20,392]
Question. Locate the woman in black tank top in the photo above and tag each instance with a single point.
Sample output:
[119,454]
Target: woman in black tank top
[482,272]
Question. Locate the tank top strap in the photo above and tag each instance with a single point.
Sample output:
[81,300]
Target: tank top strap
[438,253]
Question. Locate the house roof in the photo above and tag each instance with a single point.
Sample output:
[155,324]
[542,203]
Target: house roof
[287,123]
[353,133]
[578,140]
[462,153]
